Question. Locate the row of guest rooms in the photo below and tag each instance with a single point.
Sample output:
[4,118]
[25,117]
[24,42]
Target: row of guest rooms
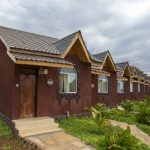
[68,83]
[47,76]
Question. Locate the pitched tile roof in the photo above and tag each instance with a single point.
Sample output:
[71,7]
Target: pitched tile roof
[63,43]
[101,56]
[28,41]
[121,65]
[94,58]
[19,56]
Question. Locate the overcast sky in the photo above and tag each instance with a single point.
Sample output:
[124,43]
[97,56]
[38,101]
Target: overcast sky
[121,26]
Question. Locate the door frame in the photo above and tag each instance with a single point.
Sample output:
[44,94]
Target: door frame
[29,71]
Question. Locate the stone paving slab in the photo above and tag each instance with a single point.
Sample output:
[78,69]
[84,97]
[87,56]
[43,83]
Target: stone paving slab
[60,141]
[135,131]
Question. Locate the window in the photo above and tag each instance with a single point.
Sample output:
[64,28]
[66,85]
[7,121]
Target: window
[139,87]
[120,86]
[131,86]
[68,80]
[102,84]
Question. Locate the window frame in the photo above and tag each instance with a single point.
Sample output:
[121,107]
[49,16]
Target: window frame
[120,89]
[103,79]
[139,87]
[132,87]
[68,78]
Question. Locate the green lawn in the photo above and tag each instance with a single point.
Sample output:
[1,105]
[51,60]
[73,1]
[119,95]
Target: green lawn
[7,141]
[5,131]
[88,131]
[130,118]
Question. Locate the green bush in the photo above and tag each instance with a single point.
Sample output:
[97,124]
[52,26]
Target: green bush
[120,141]
[99,113]
[143,115]
[147,100]
[128,105]
[103,109]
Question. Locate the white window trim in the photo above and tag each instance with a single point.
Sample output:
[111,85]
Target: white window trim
[139,87]
[63,73]
[132,87]
[117,86]
[102,85]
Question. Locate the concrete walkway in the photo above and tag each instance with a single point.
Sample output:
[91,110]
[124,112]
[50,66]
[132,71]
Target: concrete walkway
[135,131]
[59,141]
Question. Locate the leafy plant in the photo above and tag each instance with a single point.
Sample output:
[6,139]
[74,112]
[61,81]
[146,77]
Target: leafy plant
[143,115]
[88,131]
[97,117]
[147,100]
[99,114]
[119,141]
[128,105]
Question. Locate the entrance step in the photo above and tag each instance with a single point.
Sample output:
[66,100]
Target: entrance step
[36,125]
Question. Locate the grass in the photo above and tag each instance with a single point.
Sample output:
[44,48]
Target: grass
[88,131]
[7,141]
[122,116]
[4,130]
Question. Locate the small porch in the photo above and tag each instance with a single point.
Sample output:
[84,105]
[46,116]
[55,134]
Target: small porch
[32,76]
[36,125]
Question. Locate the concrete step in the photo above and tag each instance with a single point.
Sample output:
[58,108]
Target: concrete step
[33,120]
[33,123]
[34,126]
[27,134]
[37,128]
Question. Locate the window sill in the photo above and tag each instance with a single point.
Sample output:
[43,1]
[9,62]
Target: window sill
[69,93]
[103,93]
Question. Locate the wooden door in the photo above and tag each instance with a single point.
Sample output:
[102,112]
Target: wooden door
[27,95]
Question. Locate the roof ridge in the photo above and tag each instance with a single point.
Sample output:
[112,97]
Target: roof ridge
[106,51]
[121,62]
[19,30]
[68,36]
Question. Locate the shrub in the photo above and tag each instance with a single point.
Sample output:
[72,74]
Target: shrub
[143,115]
[147,100]
[99,113]
[103,109]
[128,105]
[120,141]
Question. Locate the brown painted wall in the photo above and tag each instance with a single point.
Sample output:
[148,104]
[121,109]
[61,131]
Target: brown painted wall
[47,102]
[134,95]
[110,98]
[7,83]
[126,94]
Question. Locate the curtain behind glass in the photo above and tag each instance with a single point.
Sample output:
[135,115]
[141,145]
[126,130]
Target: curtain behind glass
[63,83]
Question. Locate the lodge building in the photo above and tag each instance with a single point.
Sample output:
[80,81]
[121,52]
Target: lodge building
[45,76]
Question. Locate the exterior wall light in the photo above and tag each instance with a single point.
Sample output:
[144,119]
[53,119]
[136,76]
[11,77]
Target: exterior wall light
[49,82]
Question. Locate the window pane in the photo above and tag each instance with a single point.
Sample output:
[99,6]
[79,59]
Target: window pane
[102,77]
[72,83]
[120,87]
[67,80]
[131,86]
[99,86]
[67,70]
[102,84]
[63,83]
[105,86]
[139,87]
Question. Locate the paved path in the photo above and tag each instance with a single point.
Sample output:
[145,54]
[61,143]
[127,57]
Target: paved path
[59,141]
[145,138]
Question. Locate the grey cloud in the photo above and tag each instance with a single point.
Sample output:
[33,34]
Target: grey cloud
[104,25]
